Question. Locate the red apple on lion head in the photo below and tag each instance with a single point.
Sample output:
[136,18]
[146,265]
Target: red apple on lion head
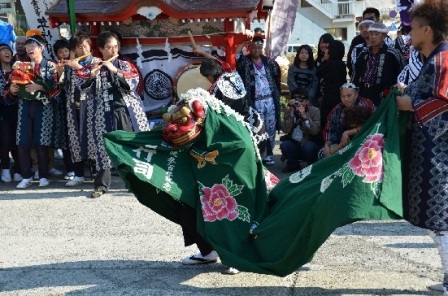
[185,123]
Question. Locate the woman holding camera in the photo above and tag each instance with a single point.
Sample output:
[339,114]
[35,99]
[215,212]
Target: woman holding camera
[302,122]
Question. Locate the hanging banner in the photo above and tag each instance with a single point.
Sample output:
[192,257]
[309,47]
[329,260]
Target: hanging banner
[281,24]
[37,19]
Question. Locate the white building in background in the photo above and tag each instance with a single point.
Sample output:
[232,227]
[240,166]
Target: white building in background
[340,18]
[7,11]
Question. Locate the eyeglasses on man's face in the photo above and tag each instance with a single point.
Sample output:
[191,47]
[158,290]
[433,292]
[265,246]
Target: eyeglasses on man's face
[109,47]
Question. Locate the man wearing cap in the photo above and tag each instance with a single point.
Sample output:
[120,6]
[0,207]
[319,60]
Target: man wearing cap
[261,77]
[377,66]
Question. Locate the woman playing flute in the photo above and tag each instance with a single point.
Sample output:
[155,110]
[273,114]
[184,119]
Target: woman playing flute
[76,71]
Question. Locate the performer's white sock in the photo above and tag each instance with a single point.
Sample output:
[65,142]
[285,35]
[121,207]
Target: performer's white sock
[441,240]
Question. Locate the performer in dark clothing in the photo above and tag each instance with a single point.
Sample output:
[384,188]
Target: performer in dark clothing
[76,72]
[228,87]
[425,162]
[377,66]
[332,74]
[112,104]
[369,16]
[36,114]
[261,77]
[8,119]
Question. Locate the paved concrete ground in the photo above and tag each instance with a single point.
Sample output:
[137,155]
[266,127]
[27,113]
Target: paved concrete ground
[56,241]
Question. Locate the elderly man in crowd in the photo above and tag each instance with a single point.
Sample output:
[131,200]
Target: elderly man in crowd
[377,66]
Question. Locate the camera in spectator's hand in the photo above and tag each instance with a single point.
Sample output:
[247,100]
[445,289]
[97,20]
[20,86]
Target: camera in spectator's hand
[296,103]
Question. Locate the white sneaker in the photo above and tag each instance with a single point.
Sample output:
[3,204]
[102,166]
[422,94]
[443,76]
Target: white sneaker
[268,160]
[58,154]
[43,182]
[24,183]
[55,172]
[17,177]
[75,181]
[6,176]
[69,176]
[199,259]
[36,175]
[231,271]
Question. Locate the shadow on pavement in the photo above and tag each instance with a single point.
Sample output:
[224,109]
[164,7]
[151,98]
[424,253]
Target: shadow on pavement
[381,228]
[127,277]
[411,246]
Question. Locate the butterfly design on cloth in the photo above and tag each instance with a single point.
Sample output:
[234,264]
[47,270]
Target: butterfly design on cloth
[205,157]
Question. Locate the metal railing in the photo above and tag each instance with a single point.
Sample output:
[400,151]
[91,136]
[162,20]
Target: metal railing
[334,9]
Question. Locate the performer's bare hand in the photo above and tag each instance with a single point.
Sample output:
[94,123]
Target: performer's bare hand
[74,64]
[95,70]
[33,87]
[327,151]
[400,86]
[110,66]
[404,103]
[345,138]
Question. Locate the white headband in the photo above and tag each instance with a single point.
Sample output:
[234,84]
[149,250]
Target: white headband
[369,22]
[349,85]
[35,40]
[378,27]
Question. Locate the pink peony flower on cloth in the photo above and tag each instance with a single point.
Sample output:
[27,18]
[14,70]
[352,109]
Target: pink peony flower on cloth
[368,160]
[270,179]
[218,204]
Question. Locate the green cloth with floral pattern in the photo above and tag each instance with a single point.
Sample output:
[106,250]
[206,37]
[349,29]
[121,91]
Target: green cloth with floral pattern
[221,175]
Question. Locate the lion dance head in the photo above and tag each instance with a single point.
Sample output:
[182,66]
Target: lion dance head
[22,73]
[185,122]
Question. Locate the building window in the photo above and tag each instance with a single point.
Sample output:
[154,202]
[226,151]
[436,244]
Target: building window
[338,33]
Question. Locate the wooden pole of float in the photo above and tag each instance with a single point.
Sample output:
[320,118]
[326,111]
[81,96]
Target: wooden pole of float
[267,49]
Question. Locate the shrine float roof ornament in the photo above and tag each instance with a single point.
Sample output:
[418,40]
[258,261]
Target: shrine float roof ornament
[88,11]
